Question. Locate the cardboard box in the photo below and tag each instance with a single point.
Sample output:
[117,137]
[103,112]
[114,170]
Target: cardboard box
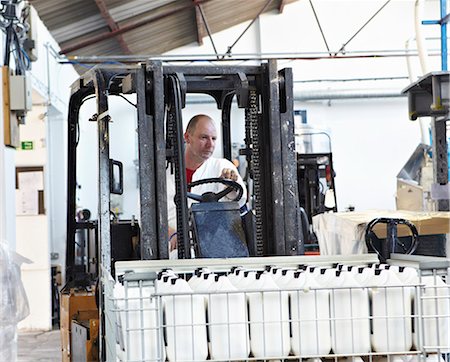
[343,232]
[409,196]
[74,305]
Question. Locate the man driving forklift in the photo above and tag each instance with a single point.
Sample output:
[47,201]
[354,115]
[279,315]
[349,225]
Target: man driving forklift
[200,141]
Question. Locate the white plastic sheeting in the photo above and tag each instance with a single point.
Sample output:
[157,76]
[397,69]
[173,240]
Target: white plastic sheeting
[13,301]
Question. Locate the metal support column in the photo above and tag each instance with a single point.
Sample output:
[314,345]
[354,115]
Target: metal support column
[443,23]
[294,239]
[444,20]
[104,226]
[148,237]
[226,127]
[73,134]
[156,94]
[276,160]
[440,187]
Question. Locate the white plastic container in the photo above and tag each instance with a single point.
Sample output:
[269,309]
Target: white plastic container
[228,322]
[407,274]
[325,276]
[350,327]
[236,275]
[310,315]
[202,284]
[409,278]
[275,272]
[436,314]
[245,280]
[435,358]
[391,313]
[283,277]
[363,275]
[198,277]
[269,318]
[185,323]
[137,322]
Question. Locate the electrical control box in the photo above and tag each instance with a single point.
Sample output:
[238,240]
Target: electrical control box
[20,93]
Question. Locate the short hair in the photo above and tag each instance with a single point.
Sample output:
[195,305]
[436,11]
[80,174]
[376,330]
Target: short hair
[193,122]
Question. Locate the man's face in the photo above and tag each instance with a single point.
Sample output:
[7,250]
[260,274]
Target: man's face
[202,140]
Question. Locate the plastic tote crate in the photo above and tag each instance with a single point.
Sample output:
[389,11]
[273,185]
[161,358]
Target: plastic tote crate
[281,308]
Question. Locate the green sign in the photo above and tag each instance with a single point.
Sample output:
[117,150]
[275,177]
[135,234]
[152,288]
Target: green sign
[27,145]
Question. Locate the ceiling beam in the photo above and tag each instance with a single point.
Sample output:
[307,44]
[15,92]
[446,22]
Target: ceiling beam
[201,31]
[128,27]
[112,25]
[120,14]
[281,6]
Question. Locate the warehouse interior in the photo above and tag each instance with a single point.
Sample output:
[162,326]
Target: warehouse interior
[335,114]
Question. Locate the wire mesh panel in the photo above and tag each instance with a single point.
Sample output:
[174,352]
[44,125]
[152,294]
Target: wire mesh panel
[362,311]
[133,319]
[435,312]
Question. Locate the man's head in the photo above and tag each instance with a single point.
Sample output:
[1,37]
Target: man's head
[200,137]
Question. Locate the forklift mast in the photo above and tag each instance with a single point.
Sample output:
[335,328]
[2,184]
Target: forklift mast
[266,95]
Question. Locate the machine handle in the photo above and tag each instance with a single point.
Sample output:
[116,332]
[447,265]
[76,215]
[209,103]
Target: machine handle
[388,246]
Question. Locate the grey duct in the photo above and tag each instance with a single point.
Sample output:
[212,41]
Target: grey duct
[317,95]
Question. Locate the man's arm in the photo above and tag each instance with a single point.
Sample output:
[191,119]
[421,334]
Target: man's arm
[171,211]
[229,171]
[172,239]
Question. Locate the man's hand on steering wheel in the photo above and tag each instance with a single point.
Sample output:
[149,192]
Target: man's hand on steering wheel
[229,173]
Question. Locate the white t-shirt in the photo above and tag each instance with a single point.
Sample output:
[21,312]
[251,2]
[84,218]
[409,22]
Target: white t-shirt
[211,168]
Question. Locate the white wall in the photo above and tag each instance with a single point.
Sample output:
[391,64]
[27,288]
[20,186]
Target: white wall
[32,230]
[52,81]
[371,141]
[40,235]
[32,236]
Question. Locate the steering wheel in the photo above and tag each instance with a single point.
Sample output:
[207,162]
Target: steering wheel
[213,196]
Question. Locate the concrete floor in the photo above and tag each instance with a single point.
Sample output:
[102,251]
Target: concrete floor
[39,346]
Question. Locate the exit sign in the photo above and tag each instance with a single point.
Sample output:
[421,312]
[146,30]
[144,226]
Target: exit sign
[27,145]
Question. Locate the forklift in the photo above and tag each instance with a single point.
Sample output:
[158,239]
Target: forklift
[273,226]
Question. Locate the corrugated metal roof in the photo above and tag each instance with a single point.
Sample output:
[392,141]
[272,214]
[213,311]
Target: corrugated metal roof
[144,27]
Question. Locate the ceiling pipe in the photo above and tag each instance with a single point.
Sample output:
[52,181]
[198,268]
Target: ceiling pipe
[321,95]
[408,60]
[336,94]
[242,57]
